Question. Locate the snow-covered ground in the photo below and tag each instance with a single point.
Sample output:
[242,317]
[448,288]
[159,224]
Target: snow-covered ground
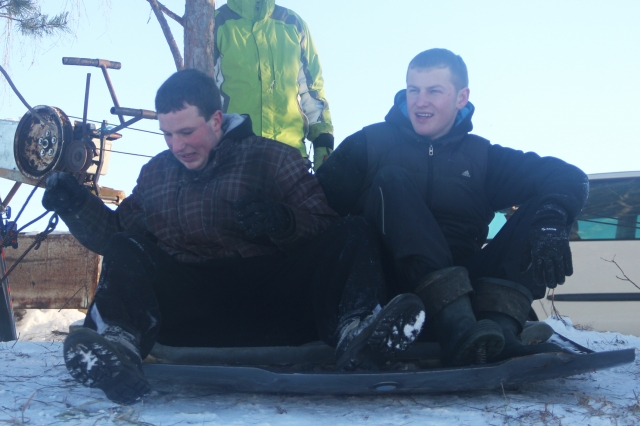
[35,389]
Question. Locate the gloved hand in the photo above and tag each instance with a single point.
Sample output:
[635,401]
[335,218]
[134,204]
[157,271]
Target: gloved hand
[323,147]
[258,216]
[64,194]
[549,256]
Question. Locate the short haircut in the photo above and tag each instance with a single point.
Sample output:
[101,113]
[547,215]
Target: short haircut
[443,58]
[191,87]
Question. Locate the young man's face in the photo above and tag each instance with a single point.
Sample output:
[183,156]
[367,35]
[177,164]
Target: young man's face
[433,101]
[189,137]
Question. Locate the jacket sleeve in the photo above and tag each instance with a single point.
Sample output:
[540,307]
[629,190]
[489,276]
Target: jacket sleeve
[93,225]
[300,191]
[514,176]
[343,174]
[313,102]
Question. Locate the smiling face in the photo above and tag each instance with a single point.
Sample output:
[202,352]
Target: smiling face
[189,137]
[433,101]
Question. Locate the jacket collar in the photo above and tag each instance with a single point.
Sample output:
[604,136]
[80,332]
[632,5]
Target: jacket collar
[399,116]
[234,126]
[253,10]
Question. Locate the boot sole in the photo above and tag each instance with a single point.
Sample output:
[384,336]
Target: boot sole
[536,332]
[393,330]
[95,362]
[481,342]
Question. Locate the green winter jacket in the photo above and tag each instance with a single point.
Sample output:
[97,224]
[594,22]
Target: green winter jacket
[266,65]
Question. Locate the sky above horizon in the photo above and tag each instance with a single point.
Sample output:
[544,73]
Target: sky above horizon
[557,78]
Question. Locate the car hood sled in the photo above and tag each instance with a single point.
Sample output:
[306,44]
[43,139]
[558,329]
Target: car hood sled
[308,369]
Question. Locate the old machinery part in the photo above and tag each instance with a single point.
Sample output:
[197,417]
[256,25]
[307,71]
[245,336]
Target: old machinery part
[78,156]
[38,146]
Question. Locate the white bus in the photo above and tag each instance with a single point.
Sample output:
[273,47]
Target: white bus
[603,293]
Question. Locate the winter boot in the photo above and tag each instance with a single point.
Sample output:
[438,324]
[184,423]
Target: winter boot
[535,332]
[508,304]
[463,340]
[109,361]
[370,342]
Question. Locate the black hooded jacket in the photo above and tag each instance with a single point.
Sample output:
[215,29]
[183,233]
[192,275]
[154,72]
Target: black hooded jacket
[464,178]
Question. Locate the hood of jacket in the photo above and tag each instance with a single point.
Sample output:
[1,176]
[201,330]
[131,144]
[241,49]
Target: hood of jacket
[399,116]
[253,10]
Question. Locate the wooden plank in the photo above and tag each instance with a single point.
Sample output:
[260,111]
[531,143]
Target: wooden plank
[49,277]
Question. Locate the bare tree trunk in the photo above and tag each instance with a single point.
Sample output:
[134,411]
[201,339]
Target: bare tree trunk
[175,51]
[199,23]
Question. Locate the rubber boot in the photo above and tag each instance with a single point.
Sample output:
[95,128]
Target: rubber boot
[463,340]
[508,303]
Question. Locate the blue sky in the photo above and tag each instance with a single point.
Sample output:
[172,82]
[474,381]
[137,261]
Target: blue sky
[556,77]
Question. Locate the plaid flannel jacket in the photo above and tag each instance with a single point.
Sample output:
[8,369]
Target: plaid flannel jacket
[191,213]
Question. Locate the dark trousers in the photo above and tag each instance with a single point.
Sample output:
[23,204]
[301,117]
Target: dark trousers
[258,301]
[416,246]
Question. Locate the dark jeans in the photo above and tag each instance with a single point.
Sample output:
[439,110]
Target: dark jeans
[415,245]
[259,301]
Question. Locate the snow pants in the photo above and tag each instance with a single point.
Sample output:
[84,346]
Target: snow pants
[415,245]
[234,302]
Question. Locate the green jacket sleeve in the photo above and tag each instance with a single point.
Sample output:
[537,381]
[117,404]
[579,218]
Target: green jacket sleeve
[311,88]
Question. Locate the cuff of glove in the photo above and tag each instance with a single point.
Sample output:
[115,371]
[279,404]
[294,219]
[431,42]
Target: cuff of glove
[324,140]
[550,212]
[320,154]
[290,229]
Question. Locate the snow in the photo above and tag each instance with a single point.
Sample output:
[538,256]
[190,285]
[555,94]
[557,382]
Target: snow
[413,329]
[35,389]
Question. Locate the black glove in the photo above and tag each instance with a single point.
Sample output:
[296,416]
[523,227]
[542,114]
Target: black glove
[64,194]
[549,256]
[322,148]
[257,216]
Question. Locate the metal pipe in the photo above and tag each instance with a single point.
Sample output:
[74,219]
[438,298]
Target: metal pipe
[111,91]
[132,112]
[86,106]
[10,195]
[122,126]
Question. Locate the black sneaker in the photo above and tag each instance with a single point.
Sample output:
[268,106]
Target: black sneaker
[112,366]
[370,342]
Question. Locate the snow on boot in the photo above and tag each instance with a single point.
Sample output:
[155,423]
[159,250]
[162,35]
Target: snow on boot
[463,340]
[110,362]
[370,342]
[508,303]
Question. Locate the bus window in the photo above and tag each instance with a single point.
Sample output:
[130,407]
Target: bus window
[612,211]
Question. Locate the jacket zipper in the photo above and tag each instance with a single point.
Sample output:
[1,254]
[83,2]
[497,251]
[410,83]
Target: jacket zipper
[430,175]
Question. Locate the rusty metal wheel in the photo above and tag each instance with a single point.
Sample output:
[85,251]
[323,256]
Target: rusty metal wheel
[38,146]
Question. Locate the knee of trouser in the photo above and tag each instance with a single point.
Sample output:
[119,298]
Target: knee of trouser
[358,227]
[125,245]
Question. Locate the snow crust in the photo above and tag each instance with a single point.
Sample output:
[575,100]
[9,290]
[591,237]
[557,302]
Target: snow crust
[411,330]
[36,389]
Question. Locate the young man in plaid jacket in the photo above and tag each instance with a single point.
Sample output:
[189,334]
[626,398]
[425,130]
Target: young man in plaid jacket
[226,240]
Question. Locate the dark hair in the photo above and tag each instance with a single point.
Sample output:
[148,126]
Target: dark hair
[192,87]
[443,58]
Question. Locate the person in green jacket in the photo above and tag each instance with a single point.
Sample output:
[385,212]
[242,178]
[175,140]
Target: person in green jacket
[267,66]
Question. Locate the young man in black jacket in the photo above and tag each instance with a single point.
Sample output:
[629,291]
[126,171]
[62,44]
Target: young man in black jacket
[431,189]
